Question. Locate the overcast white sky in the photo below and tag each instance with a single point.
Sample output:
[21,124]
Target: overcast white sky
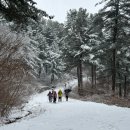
[59,8]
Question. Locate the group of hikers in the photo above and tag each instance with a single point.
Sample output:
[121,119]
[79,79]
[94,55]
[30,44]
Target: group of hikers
[52,95]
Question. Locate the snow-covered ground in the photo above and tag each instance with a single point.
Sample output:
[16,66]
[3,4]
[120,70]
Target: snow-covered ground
[71,115]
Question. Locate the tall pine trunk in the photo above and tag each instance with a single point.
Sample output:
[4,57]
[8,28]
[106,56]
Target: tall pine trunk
[120,90]
[125,87]
[114,72]
[92,80]
[81,75]
[46,69]
[95,75]
[120,87]
[39,71]
[52,77]
[125,84]
[119,79]
[80,78]
[115,31]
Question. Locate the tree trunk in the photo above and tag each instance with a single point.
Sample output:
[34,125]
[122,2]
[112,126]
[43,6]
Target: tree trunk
[125,84]
[95,76]
[46,69]
[114,49]
[52,78]
[92,68]
[119,80]
[120,90]
[80,74]
[114,72]
[80,78]
[39,71]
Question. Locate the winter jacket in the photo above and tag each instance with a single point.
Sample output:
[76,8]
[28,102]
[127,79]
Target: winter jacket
[54,94]
[49,94]
[60,93]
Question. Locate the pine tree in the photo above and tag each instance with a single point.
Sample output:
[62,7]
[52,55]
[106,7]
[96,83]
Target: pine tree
[50,53]
[76,39]
[115,15]
[20,11]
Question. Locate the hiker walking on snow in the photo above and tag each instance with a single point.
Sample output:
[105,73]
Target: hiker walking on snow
[50,96]
[66,94]
[60,95]
[54,96]
[66,91]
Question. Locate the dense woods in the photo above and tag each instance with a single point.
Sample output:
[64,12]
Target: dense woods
[98,44]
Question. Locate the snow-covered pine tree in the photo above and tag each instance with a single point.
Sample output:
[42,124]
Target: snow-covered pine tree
[50,53]
[20,11]
[77,41]
[91,54]
[115,15]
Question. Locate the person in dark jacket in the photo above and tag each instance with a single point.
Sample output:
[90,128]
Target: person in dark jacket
[54,96]
[50,96]
[66,91]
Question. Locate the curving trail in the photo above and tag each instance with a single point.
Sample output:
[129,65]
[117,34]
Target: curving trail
[71,115]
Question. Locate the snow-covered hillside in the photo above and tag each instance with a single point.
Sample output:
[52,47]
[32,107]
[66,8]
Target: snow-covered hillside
[71,115]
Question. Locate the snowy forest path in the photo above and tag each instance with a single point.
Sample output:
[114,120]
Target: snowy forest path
[71,115]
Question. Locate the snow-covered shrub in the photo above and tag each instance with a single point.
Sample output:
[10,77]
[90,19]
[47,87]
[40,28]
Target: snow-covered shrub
[13,69]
